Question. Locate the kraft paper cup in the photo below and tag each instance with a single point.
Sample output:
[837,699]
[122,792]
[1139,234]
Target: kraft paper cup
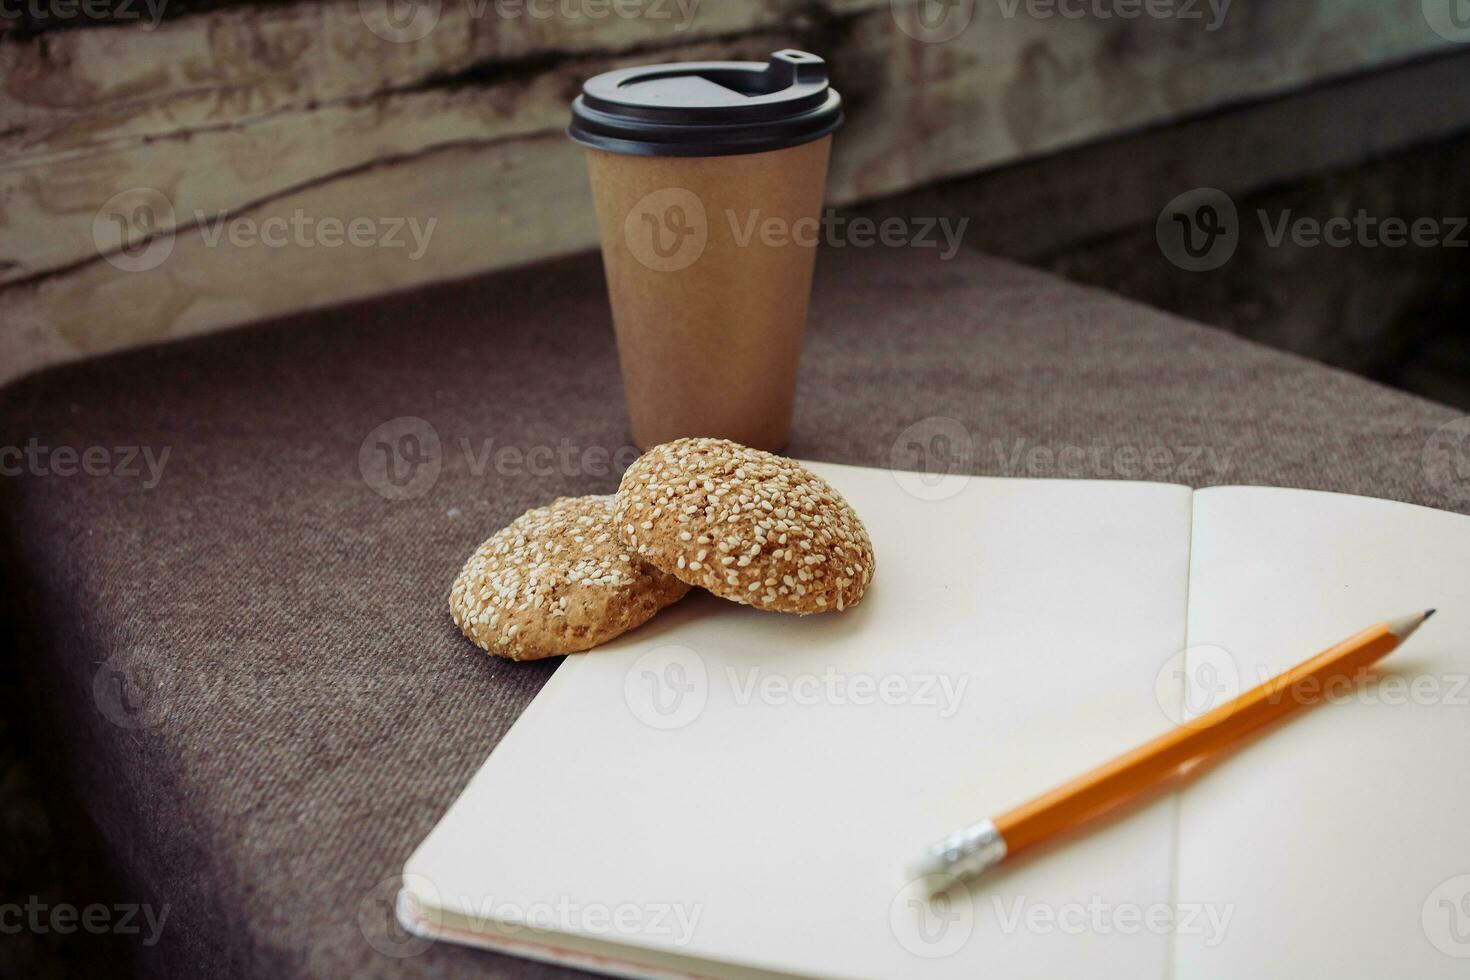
[709,269]
[709,240]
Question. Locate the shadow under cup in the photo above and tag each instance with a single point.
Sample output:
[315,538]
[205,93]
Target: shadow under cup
[708,180]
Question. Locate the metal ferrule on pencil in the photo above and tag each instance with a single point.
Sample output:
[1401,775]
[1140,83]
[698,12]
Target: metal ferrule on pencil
[965,853]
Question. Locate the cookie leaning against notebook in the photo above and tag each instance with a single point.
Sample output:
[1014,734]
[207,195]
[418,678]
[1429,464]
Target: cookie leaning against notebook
[747,525]
[556,580]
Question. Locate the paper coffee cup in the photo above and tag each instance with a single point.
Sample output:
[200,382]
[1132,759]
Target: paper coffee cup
[708,180]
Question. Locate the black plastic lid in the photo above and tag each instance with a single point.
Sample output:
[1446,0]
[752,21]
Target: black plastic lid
[708,108]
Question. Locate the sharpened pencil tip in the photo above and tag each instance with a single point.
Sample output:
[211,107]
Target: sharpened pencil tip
[1430,613]
[1405,626]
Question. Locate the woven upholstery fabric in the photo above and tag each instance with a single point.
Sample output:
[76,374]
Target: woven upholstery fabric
[250,669]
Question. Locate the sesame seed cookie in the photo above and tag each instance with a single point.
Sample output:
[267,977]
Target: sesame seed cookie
[556,580]
[746,525]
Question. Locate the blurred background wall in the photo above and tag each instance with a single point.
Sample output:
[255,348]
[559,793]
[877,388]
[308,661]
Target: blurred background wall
[133,133]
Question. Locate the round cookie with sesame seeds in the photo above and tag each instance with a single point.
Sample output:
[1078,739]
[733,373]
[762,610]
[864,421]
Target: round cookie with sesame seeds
[747,525]
[557,580]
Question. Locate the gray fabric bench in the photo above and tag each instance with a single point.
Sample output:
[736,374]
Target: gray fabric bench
[260,696]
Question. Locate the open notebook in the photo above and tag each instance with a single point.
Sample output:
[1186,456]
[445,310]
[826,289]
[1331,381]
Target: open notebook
[731,793]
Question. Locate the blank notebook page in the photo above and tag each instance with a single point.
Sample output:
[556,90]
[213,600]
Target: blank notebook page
[1340,843]
[1046,607]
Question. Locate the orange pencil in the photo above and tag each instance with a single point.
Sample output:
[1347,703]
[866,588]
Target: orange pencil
[970,851]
